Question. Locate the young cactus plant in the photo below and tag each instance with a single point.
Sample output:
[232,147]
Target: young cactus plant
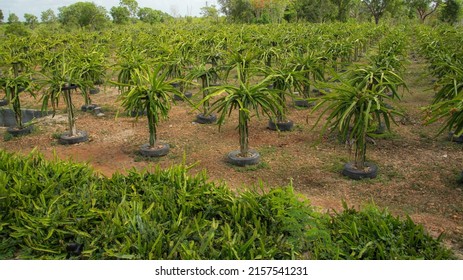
[14,84]
[150,91]
[352,107]
[58,81]
[245,98]
[206,75]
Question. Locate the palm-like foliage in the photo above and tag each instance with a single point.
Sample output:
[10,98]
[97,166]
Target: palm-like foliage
[130,62]
[377,77]
[243,62]
[16,50]
[89,68]
[14,84]
[283,80]
[450,84]
[207,75]
[452,113]
[246,98]
[311,67]
[150,92]
[270,52]
[59,81]
[356,101]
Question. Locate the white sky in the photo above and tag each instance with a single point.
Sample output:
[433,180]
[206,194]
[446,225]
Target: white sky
[35,7]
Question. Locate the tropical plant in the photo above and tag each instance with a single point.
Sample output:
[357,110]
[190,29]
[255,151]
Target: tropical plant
[246,98]
[14,84]
[150,93]
[450,84]
[59,81]
[242,60]
[207,75]
[171,214]
[355,102]
[131,61]
[452,113]
[176,64]
[311,67]
[283,79]
[89,69]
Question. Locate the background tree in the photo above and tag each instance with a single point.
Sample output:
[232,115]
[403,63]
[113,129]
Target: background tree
[343,7]
[210,12]
[15,27]
[262,11]
[120,14]
[450,12]
[83,14]
[48,16]
[31,20]
[237,10]
[152,16]
[314,10]
[131,5]
[377,7]
[423,8]
[2,17]
[13,18]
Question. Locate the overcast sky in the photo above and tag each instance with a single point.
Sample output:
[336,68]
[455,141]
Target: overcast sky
[35,7]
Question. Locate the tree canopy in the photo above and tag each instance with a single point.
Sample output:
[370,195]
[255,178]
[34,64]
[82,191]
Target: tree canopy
[377,7]
[31,20]
[89,15]
[83,14]
[120,14]
[13,18]
[48,16]
[152,16]
[450,11]
[423,8]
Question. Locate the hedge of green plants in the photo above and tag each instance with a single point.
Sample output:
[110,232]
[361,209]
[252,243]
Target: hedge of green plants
[64,210]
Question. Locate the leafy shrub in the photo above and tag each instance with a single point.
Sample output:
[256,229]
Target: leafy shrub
[58,210]
[375,234]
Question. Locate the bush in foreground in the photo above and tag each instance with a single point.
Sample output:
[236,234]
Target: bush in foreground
[61,210]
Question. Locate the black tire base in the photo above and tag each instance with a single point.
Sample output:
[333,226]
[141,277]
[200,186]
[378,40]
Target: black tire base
[235,158]
[16,132]
[4,102]
[455,139]
[89,107]
[303,103]
[280,126]
[65,139]
[202,119]
[146,151]
[134,114]
[94,91]
[186,95]
[350,171]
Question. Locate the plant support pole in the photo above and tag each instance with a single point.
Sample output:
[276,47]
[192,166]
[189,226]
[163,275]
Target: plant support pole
[71,118]
[243,129]
[151,125]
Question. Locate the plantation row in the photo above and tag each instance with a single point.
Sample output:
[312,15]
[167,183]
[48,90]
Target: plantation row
[253,69]
[441,48]
[351,73]
[63,210]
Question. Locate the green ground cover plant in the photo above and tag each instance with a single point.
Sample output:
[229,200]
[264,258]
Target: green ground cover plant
[64,210]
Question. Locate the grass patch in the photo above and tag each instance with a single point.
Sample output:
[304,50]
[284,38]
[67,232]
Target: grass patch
[251,168]
[7,137]
[56,135]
